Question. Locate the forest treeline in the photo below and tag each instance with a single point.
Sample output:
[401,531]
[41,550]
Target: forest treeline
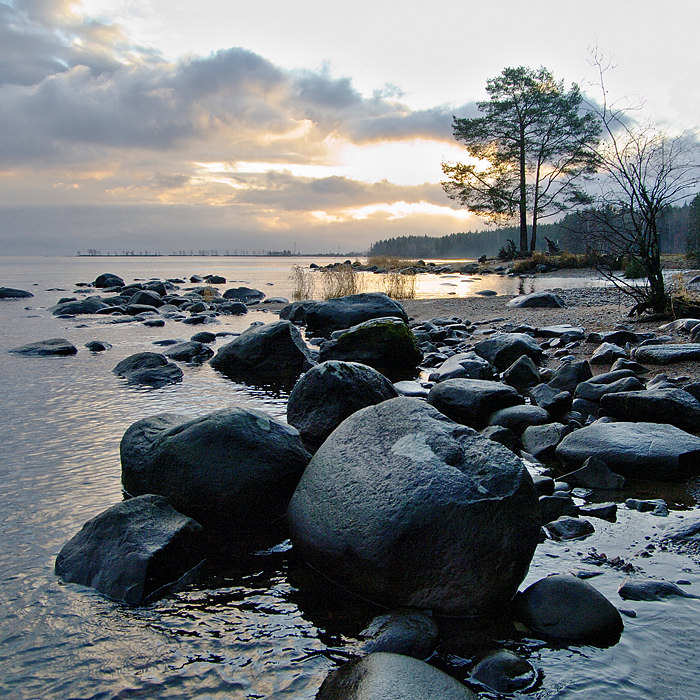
[679,232]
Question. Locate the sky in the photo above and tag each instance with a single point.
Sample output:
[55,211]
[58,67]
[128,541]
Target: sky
[168,125]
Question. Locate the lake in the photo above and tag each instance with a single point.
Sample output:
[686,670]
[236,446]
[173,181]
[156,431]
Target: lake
[255,630]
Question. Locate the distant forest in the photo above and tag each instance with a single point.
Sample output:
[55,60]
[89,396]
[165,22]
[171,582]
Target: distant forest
[679,233]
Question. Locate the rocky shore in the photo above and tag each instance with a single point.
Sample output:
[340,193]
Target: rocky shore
[430,447]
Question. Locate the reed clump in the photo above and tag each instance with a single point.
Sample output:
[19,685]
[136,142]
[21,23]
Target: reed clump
[303,283]
[562,261]
[339,281]
[392,262]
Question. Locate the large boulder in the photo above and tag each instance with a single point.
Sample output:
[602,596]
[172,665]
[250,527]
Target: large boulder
[234,467]
[271,354]
[10,293]
[330,392]
[52,346]
[406,507]
[667,354]
[387,344]
[537,300]
[149,368]
[245,295]
[565,607]
[384,676]
[190,351]
[146,297]
[674,406]
[472,401]
[503,349]
[324,317]
[635,450]
[132,551]
[108,280]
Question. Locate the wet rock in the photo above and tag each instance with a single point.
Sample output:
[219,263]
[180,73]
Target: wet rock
[245,295]
[595,474]
[502,349]
[522,374]
[603,511]
[472,401]
[386,344]
[412,388]
[274,353]
[635,450]
[674,406]
[607,353]
[567,608]
[52,346]
[383,676]
[108,280]
[464,365]
[330,392]
[146,297]
[518,418]
[554,401]
[537,300]
[150,368]
[543,484]
[651,590]
[214,279]
[667,354]
[408,632]
[296,311]
[132,551]
[10,293]
[235,467]
[557,505]
[542,440]
[505,672]
[97,346]
[324,317]
[190,351]
[570,375]
[655,506]
[403,506]
[91,305]
[569,528]
[233,308]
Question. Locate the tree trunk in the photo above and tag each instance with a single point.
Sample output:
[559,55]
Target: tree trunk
[535,203]
[523,193]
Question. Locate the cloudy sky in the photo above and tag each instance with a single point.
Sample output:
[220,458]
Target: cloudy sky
[221,124]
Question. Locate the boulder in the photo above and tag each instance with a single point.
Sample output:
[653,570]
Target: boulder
[566,332]
[386,344]
[146,297]
[150,368]
[595,391]
[522,374]
[383,676]
[408,632]
[463,365]
[296,311]
[52,346]
[271,354]
[594,474]
[10,293]
[91,305]
[98,345]
[472,401]
[506,437]
[570,375]
[518,418]
[667,354]
[245,295]
[607,353]
[502,349]
[108,280]
[537,300]
[651,589]
[541,440]
[406,507]
[203,337]
[328,393]
[190,351]
[235,467]
[564,607]
[635,450]
[569,528]
[604,511]
[324,317]
[674,406]
[134,551]
[557,505]
[554,401]
[505,672]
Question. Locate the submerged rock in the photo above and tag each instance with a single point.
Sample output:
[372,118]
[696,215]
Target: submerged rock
[403,506]
[505,672]
[10,293]
[567,608]
[53,346]
[150,368]
[408,632]
[383,676]
[133,550]
[651,590]
[234,467]
[190,351]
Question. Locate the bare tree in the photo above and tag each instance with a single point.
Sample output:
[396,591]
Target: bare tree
[644,170]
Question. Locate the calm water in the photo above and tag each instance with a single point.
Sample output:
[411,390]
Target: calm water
[255,631]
